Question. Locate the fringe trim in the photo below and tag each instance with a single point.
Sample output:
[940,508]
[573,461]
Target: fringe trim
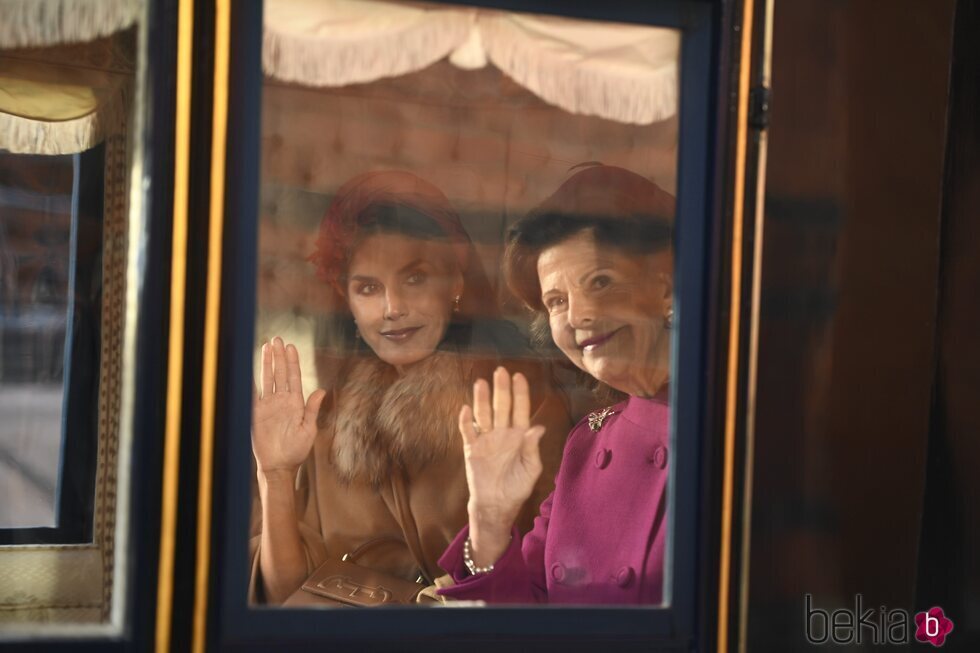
[623,98]
[22,135]
[33,23]
[320,61]
[469,39]
[471,55]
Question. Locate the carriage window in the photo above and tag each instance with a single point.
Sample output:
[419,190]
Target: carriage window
[66,147]
[51,247]
[466,263]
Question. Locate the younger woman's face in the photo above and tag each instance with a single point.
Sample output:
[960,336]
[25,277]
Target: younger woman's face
[401,292]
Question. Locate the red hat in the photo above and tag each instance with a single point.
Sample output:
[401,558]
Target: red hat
[341,224]
[601,190]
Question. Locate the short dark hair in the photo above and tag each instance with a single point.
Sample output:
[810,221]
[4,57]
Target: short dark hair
[619,207]
[634,234]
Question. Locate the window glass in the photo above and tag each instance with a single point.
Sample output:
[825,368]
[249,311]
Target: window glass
[51,241]
[36,241]
[447,192]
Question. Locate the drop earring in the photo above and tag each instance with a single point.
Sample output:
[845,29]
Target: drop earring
[669,319]
[456,304]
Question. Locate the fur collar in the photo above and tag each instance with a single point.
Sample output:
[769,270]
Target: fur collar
[380,420]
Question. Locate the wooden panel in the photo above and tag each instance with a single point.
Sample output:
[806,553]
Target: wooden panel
[849,297]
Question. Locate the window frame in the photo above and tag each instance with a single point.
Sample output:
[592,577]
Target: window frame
[700,195]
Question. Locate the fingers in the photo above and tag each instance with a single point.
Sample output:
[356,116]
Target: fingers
[294,378]
[313,406]
[466,425]
[501,399]
[279,368]
[508,395]
[522,402]
[266,369]
[482,412]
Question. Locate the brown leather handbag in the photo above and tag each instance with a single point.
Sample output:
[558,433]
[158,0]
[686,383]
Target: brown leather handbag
[338,583]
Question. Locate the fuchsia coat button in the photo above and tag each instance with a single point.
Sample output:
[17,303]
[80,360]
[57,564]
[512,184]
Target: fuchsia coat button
[625,576]
[558,571]
[659,457]
[602,458]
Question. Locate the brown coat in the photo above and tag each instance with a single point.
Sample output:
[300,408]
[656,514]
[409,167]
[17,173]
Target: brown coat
[388,464]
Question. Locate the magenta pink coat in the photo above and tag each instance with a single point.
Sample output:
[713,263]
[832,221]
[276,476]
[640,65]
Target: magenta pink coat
[600,536]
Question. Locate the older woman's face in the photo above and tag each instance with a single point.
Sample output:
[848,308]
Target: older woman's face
[401,292]
[606,309]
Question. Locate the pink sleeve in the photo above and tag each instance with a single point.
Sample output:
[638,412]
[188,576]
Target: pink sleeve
[518,577]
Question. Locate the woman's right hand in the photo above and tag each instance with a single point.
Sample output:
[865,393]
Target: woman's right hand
[502,458]
[283,426]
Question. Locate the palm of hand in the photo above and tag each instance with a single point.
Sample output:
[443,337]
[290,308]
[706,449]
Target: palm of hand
[499,445]
[281,437]
[283,426]
[497,471]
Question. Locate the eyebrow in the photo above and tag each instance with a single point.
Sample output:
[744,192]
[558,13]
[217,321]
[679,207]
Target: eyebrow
[603,266]
[411,264]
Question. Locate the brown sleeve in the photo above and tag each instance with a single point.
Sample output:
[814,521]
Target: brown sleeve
[309,528]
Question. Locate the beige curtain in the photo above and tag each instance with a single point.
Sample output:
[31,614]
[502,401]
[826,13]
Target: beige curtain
[620,72]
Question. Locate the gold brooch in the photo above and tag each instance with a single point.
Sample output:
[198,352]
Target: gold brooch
[598,417]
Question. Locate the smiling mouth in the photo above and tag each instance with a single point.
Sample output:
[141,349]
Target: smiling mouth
[400,334]
[593,343]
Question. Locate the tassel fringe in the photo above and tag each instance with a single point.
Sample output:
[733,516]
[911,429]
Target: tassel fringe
[27,136]
[634,94]
[36,23]
[630,99]
[317,61]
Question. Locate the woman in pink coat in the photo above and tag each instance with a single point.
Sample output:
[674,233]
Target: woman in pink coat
[595,262]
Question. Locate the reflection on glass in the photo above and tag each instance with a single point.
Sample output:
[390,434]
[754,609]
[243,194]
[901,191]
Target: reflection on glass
[51,244]
[35,235]
[389,286]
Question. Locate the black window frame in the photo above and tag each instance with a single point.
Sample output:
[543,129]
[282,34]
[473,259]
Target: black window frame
[679,626]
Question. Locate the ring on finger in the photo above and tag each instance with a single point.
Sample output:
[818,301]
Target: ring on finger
[476,428]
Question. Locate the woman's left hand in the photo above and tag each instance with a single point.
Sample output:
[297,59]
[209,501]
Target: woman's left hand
[503,461]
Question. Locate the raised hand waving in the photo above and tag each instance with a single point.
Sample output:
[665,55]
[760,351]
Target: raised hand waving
[283,424]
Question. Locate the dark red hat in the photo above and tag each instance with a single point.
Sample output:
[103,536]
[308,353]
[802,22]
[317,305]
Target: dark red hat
[601,190]
[339,229]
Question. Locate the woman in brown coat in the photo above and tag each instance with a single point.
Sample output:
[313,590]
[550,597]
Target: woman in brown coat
[372,463]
